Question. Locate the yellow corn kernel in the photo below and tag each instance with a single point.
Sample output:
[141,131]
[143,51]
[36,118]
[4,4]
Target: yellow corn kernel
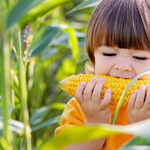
[116,85]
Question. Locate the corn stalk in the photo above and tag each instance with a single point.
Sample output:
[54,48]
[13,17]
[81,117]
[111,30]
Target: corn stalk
[24,116]
[5,76]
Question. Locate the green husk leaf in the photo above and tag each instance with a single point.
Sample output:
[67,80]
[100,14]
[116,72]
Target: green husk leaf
[146,71]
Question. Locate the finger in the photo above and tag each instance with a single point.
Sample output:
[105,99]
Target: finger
[89,89]
[140,97]
[132,99]
[147,100]
[107,98]
[97,91]
[79,92]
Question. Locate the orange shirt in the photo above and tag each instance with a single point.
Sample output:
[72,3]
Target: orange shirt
[73,114]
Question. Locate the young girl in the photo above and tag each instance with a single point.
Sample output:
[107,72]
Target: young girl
[118,44]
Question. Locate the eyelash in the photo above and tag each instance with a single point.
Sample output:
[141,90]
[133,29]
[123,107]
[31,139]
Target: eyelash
[109,54]
[140,58]
[113,54]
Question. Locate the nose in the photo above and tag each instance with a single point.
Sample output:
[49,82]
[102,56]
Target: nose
[123,65]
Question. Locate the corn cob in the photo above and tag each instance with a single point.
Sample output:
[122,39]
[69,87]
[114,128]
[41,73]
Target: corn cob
[116,85]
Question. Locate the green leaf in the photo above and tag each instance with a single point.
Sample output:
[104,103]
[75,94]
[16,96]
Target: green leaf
[81,60]
[67,68]
[50,53]
[46,123]
[135,141]
[39,114]
[14,125]
[41,9]
[76,134]
[146,71]
[73,42]
[93,132]
[43,40]
[142,147]
[61,40]
[3,143]
[85,4]
[72,39]
[11,110]
[26,10]
[81,41]
[58,105]
[19,10]
[0,108]
[15,89]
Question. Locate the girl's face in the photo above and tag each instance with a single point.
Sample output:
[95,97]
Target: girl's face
[125,63]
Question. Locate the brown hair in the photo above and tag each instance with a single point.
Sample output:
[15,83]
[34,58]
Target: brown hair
[121,23]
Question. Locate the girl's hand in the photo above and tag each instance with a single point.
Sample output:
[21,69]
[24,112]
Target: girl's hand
[95,109]
[139,105]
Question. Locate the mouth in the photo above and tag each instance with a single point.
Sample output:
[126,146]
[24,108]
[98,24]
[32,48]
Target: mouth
[122,77]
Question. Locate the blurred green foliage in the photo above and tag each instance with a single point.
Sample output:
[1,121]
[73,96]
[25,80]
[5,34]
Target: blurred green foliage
[52,46]
[58,43]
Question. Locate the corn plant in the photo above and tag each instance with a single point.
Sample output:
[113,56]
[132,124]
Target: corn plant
[40,47]
[16,53]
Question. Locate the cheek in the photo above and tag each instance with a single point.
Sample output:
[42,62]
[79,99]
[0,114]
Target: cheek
[102,66]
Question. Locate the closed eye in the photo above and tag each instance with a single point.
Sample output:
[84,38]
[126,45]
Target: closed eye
[140,58]
[109,54]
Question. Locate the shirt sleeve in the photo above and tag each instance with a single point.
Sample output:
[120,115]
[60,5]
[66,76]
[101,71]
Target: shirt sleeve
[72,114]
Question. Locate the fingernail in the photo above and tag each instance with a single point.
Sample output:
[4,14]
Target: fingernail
[142,86]
[136,91]
[95,78]
[83,83]
[108,90]
[102,79]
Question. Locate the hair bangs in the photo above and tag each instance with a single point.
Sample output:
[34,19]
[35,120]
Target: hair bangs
[120,23]
[125,28]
